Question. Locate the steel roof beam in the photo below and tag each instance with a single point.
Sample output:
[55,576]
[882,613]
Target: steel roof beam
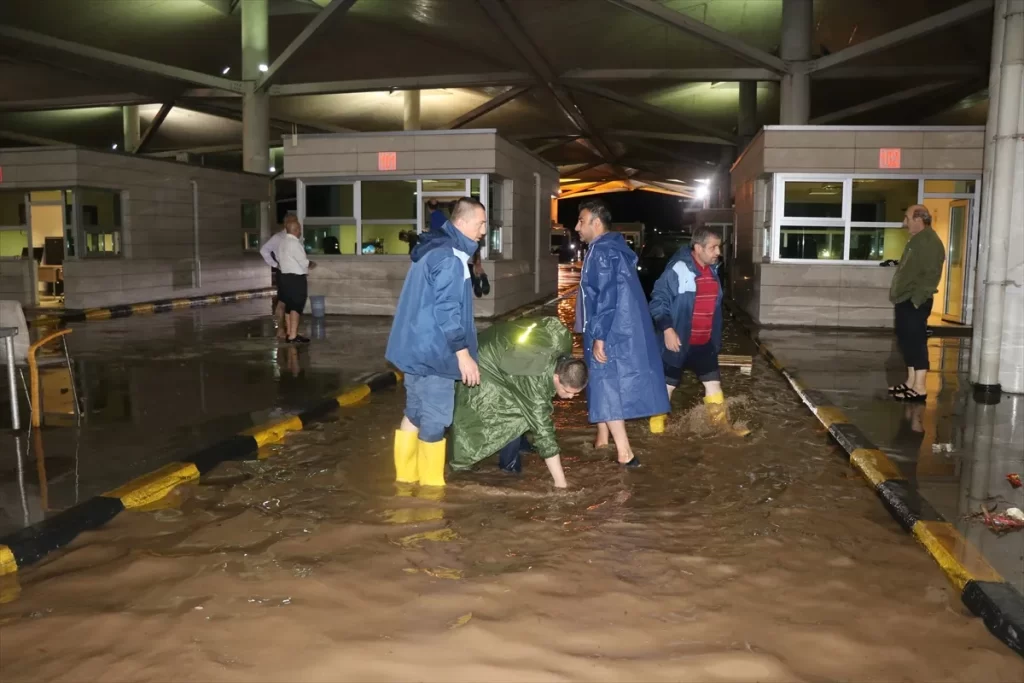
[153,127]
[723,137]
[336,7]
[878,103]
[884,72]
[404,83]
[670,17]
[487,107]
[674,137]
[80,102]
[502,17]
[32,139]
[918,29]
[696,75]
[117,59]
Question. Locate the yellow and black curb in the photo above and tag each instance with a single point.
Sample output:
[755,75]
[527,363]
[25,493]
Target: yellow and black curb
[982,589]
[161,306]
[29,545]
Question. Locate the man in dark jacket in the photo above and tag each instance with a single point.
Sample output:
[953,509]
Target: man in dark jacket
[433,341]
[619,343]
[915,282]
[686,305]
[524,364]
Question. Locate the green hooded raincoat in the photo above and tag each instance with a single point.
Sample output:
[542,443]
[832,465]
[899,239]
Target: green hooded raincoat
[517,367]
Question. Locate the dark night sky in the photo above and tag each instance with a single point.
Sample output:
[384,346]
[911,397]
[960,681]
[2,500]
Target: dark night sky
[650,208]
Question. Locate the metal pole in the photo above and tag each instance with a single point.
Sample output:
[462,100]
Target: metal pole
[255,104]
[988,172]
[12,386]
[1010,87]
[795,50]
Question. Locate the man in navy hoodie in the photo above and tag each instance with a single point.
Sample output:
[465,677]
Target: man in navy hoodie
[433,340]
[686,305]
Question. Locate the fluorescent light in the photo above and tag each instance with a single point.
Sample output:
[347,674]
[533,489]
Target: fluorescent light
[263,68]
[704,181]
[677,180]
[225,71]
[568,180]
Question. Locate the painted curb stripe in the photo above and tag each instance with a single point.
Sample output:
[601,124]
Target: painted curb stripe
[1001,607]
[151,487]
[145,308]
[29,545]
[32,543]
[982,589]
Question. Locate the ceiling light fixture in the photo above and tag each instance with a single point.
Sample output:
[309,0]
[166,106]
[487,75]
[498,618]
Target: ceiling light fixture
[263,68]
[113,146]
[225,71]
[273,169]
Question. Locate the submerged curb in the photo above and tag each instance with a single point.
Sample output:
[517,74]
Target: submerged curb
[145,308]
[982,589]
[29,545]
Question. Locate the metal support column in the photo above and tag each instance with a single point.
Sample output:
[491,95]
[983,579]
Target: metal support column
[411,121]
[795,50]
[255,103]
[132,136]
[746,124]
[1011,81]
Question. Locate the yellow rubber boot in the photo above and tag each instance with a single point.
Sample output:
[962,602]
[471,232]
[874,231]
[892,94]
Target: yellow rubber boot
[406,464]
[718,414]
[658,424]
[431,463]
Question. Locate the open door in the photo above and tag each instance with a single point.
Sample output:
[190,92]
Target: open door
[953,308]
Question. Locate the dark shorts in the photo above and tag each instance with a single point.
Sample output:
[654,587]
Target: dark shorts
[291,291]
[701,360]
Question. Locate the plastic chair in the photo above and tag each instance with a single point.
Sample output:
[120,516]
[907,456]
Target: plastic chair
[26,356]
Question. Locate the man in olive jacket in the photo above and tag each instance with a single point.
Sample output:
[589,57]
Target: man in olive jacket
[915,282]
[523,364]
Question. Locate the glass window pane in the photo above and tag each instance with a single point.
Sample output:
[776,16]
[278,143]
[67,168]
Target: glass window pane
[12,208]
[100,208]
[474,187]
[387,199]
[453,185]
[813,199]
[251,223]
[877,244]
[45,196]
[387,239]
[330,201]
[949,186]
[882,200]
[103,243]
[495,211]
[811,243]
[330,239]
[12,243]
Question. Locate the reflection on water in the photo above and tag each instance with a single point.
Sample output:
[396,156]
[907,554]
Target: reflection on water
[722,559]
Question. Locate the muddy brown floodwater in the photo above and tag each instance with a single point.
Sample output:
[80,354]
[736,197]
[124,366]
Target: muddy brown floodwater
[721,559]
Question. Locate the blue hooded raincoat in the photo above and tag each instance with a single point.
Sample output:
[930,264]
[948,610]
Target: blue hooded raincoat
[672,305]
[614,309]
[434,318]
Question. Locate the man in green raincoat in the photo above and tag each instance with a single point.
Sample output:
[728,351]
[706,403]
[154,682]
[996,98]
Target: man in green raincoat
[523,364]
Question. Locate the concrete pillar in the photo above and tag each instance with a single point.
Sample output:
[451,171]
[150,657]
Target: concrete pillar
[988,172]
[130,117]
[255,105]
[999,360]
[411,120]
[797,33]
[746,123]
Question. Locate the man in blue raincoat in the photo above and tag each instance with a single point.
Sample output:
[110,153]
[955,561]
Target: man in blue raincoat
[433,341]
[619,344]
[686,305]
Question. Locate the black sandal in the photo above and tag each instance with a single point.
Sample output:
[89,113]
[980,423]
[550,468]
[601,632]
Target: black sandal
[899,389]
[910,396]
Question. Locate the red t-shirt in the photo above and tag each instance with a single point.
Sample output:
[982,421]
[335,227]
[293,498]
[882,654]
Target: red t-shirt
[704,306]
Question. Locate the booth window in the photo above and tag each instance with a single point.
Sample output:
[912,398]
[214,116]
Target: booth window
[330,219]
[13,226]
[100,212]
[876,217]
[388,216]
[496,201]
[251,225]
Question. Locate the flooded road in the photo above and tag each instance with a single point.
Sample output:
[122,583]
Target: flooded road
[721,559]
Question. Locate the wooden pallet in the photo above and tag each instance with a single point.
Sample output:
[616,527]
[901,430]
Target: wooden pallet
[744,363]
